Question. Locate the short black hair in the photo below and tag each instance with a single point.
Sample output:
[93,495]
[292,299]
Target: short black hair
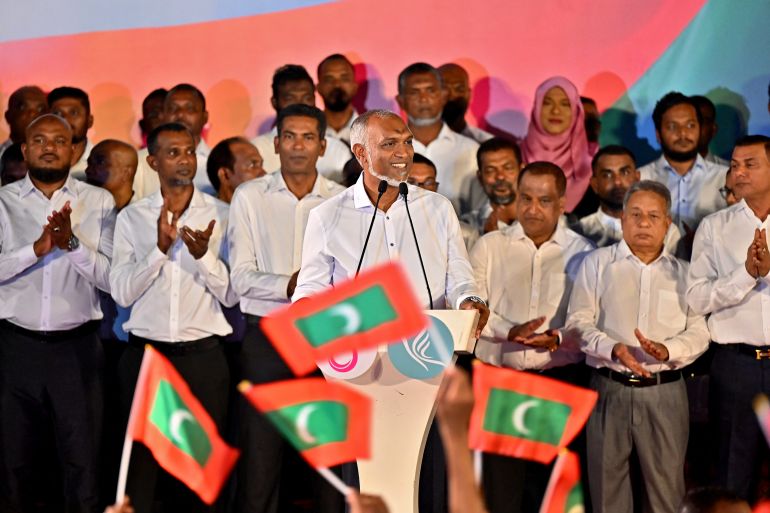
[152,139]
[156,94]
[305,111]
[542,168]
[422,159]
[289,73]
[611,149]
[418,68]
[704,101]
[221,156]
[497,144]
[330,58]
[670,100]
[586,99]
[70,92]
[751,140]
[703,499]
[187,88]
[11,154]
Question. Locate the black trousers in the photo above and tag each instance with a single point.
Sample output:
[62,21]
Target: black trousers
[737,378]
[206,372]
[50,386]
[263,449]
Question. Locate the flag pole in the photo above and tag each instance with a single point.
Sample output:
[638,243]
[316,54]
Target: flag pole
[553,480]
[128,441]
[334,480]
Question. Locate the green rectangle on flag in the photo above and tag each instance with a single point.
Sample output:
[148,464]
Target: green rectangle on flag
[362,312]
[524,416]
[311,424]
[173,418]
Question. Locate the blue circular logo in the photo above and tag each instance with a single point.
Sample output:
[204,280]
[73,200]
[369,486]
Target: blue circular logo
[424,355]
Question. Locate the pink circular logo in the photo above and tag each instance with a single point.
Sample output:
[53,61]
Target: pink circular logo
[344,366]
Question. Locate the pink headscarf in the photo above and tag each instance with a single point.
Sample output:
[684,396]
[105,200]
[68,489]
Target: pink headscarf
[568,150]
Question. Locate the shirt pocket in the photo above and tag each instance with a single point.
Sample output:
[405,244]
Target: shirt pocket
[671,314]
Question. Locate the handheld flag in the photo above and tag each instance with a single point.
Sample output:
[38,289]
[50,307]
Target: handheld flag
[523,415]
[170,421]
[328,423]
[377,307]
[762,410]
[565,492]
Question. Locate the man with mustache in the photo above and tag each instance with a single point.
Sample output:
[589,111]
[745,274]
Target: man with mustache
[337,86]
[74,106]
[458,86]
[693,181]
[24,104]
[55,248]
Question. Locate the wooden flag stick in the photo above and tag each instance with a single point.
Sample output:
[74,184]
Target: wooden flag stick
[334,480]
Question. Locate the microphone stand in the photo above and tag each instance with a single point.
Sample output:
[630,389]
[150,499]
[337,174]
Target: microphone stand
[381,188]
[403,190]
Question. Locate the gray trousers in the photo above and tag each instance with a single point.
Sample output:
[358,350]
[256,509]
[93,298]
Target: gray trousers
[654,421]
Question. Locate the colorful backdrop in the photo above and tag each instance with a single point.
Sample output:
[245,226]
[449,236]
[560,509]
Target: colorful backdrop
[625,54]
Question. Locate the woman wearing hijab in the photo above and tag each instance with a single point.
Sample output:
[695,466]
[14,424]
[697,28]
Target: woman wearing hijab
[557,134]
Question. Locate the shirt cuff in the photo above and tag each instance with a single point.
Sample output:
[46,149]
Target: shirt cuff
[155,256]
[80,255]
[461,299]
[27,256]
[206,264]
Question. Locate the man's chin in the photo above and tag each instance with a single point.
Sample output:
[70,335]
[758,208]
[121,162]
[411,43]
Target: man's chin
[48,175]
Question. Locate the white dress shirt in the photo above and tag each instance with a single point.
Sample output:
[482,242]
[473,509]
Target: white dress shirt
[146,180]
[78,169]
[523,282]
[267,226]
[606,230]
[476,133]
[455,158]
[335,237]
[719,285]
[694,195]
[57,291]
[343,134]
[173,296]
[329,165]
[615,293]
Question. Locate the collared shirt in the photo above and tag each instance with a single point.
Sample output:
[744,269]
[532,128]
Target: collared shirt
[455,158]
[343,134]
[4,146]
[719,285]
[78,169]
[477,218]
[329,165]
[476,133]
[694,195]
[173,296]
[615,293]
[716,159]
[57,291]
[146,180]
[335,237]
[524,282]
[606,230]
[267,226]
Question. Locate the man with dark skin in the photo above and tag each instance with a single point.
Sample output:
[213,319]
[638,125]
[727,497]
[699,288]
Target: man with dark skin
[112,166]
[708,129]
[458,86]
[337,86]
[74,105]
[25,104]
[233,161]
[499,163]
[152,113]
[593,120]
[12,165]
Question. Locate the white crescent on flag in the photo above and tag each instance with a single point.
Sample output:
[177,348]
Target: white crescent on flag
[519,413]
[175,424]
[351,316]
[301,424]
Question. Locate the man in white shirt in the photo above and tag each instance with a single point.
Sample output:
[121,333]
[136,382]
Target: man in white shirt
[614,172]
[73,105]
[169,267]
[292,84]
[24,104]
[55,246]
[729,283]
[526,271]
[267,225]
[337,86]
[457,83]
[693,182]
[184,104]
[628,306]
[422,95]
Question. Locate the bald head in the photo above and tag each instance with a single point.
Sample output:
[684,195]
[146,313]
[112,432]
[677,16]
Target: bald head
[24,105]
[48,119]
[112,164]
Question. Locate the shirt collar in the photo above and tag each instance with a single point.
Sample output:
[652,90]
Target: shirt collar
[319,189]
[606,219]
[624,252]
[197,200]
[516,231]
[69,187]
[698,164]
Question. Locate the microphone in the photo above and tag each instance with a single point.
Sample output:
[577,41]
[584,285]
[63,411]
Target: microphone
[403,190]
[381,188]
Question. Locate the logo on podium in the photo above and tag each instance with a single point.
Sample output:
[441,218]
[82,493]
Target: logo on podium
[424,355]
[348,365]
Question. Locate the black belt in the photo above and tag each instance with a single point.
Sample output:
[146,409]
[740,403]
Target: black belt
[175,348]
[659,378]
[87,328]
[756,352]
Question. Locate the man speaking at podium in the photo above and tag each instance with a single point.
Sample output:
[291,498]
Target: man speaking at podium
[369,223]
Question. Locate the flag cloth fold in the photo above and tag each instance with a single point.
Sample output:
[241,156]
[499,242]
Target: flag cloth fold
[565,491]
[168,419]
[523,415]
[377,307]
[327,422]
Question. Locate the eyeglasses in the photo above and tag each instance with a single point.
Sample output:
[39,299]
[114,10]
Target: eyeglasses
[430,182]
[725,192]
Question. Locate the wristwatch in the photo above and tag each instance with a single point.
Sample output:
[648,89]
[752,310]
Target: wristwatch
[73,243]
[476,299]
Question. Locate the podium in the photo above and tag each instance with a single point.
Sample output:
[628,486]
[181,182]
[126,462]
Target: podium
[403,379]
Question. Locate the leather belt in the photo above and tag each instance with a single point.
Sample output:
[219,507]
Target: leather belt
[631,380]
[52,336]
[757,352]
[175,348]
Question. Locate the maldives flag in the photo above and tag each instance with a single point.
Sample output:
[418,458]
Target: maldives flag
[565,492]
[377,307]
[762,410]
[524,415]
[328,423]
[169,420]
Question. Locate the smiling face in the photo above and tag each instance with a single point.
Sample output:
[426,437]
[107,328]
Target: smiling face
[556,111]
[645,222]
[498,175]
[389,154]
[299,145]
